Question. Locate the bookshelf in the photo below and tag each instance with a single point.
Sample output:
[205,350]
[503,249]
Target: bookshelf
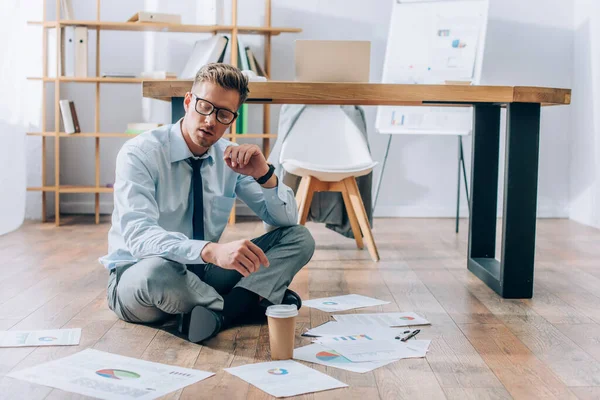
[232,30]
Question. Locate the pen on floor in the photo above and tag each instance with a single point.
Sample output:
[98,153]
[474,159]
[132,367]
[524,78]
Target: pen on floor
[404,333]
[412,334]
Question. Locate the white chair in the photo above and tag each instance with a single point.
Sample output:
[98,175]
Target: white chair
[328,151]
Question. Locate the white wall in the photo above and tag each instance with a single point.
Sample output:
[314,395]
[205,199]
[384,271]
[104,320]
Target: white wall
[584,171]
[19,110]
[421,171]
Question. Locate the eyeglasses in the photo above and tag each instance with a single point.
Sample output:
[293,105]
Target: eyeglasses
[206,108]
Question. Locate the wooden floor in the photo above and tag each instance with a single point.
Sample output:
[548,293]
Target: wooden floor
[483,347]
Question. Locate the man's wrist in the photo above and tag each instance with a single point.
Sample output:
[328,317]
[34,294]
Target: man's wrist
[263,171]
[208,253]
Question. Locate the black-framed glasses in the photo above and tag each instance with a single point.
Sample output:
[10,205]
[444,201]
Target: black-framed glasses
[206,108]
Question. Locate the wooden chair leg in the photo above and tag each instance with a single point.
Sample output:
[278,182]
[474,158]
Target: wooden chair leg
[301,190]
[359,209]
[352,217]
[301,193]
[307,199]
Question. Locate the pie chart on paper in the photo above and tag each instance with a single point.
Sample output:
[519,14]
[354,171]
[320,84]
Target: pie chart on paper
[331,356]
[119,374]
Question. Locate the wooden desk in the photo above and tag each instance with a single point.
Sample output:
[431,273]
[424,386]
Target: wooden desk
[512,275]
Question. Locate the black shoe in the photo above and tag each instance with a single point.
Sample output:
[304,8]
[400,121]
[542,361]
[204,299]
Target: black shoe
[291,297]
[256,315]
[201,324]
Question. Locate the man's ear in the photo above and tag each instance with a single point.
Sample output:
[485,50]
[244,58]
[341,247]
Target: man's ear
[186,101]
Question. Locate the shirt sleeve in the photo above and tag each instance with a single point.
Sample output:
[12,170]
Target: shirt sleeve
[275,206]
[135,201]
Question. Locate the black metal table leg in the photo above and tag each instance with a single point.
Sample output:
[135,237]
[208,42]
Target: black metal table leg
[520,200]
[484,195]
[512,277]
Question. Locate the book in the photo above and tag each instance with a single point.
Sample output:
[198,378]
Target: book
[67,9]
[251,60]
[81,51]
[259,68]
[67,117]
[243,63]
[74,117]
[204,52]
[146,16]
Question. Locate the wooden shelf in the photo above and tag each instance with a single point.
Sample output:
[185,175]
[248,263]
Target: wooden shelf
[163,27]
[93,79]
[84,189]
[53,131]
[84,135]
[72,189]
[131,135]
[42,189]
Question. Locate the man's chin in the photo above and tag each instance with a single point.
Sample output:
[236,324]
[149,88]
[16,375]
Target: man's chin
[203,141]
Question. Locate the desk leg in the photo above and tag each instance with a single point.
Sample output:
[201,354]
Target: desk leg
[512,277]
[484,195]
[520,200]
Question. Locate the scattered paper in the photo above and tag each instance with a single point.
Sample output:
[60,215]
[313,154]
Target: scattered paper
[54,337]
[343,303]
[110,376]
[383,319]
[340,329]
[319,354]
[285,378]
[376,350]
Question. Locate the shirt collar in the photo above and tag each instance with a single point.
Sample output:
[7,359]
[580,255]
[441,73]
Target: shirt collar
[179,148]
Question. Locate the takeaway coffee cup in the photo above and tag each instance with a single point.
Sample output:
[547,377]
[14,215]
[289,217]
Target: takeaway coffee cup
[282,327]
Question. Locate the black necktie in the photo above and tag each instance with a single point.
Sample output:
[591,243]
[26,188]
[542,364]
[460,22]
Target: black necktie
[198,218]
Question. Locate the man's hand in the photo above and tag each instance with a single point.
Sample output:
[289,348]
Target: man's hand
[246,159]
[241,255]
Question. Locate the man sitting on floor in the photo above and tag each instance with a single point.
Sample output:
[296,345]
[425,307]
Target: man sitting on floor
[174,190]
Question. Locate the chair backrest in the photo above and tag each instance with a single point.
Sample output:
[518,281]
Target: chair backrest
[326,137]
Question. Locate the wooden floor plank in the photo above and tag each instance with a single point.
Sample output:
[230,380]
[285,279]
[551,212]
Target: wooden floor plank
[483,347]
[524,376]
[568,361]
[586,336]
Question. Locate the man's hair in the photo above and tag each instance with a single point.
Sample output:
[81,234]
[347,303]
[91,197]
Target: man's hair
[226,76]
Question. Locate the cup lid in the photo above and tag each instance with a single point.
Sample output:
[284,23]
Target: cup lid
[282,311]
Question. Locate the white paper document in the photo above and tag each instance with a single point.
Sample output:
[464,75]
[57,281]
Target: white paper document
[110,376]
[344,329]
[54,337]
[320,354]
[383,319]
[376,350]
[285,378]
[343,303]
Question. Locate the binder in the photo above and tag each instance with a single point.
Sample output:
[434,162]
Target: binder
[205,51]
[51,56]
[69,51]
[81,51]
[67,118]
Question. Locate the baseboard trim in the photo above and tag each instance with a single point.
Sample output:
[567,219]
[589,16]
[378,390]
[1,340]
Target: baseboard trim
[87,207]
[450,212]
[106,207]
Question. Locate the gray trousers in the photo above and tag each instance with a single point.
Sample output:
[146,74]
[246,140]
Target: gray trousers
[155,288]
